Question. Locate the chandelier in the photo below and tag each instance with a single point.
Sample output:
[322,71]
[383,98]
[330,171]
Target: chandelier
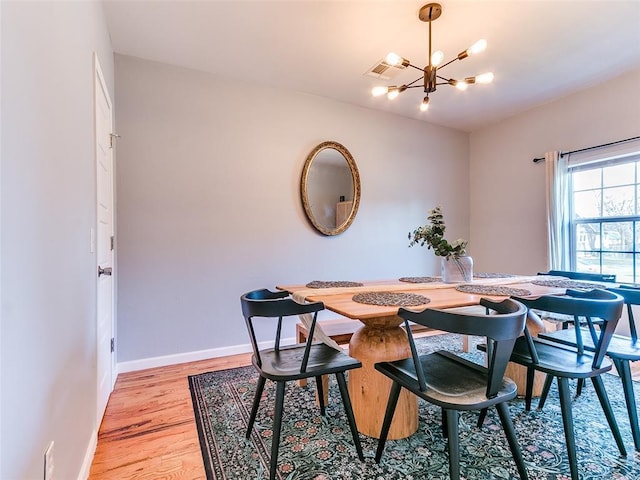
[430,73]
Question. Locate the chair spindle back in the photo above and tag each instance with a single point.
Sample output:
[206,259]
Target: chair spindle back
[502,328]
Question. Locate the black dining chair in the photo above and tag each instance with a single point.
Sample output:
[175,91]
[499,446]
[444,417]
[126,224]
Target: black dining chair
[564,362]
[282,364]
[589,277]
[566,322]
[456,384]
[622,350]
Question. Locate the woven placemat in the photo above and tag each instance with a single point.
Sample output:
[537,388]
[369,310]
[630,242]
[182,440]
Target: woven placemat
[492,275]
[330,284]
[420,279]
[560,283]
[493,290]
[390,299]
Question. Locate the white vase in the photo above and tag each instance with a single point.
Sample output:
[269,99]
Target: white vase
[456,269]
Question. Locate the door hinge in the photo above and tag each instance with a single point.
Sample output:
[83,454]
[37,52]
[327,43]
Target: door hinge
[112,242]
[112,137]
[113,345]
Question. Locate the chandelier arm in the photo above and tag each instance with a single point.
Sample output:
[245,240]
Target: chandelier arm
[409,85]
[448,63]
[417,68]
[429,74]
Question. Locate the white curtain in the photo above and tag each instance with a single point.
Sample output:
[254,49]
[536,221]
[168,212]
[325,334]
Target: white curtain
[557,176]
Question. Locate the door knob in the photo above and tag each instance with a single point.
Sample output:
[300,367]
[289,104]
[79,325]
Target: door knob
[104,271]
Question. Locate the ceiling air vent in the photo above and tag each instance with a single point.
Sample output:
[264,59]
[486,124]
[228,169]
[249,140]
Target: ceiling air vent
[383,70]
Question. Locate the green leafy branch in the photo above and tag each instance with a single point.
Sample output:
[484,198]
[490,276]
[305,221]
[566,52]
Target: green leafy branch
[432,236]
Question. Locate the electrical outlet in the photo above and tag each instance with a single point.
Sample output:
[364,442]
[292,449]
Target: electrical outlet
[48,462]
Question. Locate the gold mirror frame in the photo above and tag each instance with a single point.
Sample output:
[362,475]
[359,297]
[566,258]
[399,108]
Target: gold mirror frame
[355,177]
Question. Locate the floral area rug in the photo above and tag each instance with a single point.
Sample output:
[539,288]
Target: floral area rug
[321,448]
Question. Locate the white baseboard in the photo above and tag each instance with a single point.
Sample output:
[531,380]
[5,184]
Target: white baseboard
[88,456]
[144,363]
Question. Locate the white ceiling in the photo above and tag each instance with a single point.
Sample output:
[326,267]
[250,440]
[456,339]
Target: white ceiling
[538,50]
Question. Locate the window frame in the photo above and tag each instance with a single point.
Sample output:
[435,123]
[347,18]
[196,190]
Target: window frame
[601,220]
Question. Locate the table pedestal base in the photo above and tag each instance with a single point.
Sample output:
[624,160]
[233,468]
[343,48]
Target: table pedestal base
[369,389]
[518,374]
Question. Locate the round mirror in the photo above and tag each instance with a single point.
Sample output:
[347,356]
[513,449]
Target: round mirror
[330,188]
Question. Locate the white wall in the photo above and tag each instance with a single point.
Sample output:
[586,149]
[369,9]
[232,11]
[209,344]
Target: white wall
[208,200]
[508,226]
[48,353]
[1,309]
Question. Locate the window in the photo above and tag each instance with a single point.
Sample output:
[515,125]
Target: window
[605,217]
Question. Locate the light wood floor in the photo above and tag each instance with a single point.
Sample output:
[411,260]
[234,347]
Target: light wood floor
[149,430]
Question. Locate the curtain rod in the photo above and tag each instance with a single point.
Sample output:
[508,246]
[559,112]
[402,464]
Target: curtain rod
[541,159]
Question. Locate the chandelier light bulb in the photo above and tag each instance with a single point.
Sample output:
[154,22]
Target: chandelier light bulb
[393,93]
[430,78]
[485,78]
[436,58]
[393,59]
[379,91]
[477,47]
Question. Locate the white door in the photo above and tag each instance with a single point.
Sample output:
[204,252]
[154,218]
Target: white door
[104,240]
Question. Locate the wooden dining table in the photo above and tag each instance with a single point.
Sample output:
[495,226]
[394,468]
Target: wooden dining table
[382,339]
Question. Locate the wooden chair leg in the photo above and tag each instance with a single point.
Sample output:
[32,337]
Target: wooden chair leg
[624,370]
[531,375]
[509,431]
[325,390]
[301,337]
[567,422]
[320,398]
[348,409]
[548,381]
[598,385]
[277,426]
[579,387]
[256,403]
[394,394]
[453,444]
[481,417]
